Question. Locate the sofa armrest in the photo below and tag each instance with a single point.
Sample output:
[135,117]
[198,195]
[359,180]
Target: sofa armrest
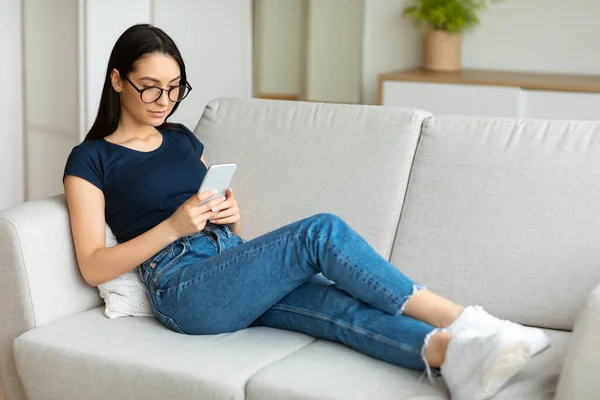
[579,376]
[39,278]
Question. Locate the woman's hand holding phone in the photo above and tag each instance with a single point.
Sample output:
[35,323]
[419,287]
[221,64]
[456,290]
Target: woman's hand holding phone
[191,218]
[229,211]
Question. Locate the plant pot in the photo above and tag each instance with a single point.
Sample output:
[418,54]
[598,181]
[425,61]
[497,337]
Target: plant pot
[442,51]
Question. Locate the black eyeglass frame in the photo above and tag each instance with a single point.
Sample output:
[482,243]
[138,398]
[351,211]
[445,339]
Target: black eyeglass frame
[141,91]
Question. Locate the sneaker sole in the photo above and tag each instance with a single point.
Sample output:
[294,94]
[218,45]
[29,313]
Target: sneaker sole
[508,363]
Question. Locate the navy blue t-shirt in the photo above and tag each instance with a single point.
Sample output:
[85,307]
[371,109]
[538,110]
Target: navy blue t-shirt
[141,189]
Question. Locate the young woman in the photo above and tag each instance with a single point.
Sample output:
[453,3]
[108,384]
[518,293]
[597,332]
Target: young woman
[141,175]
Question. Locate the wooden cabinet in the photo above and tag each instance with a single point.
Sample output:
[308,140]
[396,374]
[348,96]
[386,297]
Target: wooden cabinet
[494,93]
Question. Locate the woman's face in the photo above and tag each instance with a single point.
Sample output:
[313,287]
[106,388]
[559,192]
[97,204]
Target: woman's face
[155,69]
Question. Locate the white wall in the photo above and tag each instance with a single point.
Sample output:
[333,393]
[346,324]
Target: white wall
[390,42]
[311,49]
[103,22]
[215,40]
[11,106]
[51,92]
[529,35]
[280,46]
[537,35]
[334,51]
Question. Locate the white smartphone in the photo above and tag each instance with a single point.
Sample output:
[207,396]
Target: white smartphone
[218,177]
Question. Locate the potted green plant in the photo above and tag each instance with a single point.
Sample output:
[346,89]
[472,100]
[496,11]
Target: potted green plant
[445,21]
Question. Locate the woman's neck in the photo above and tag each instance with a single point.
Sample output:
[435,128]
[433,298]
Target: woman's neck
[130,128]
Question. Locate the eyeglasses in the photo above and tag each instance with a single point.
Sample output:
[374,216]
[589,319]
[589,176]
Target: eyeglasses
[151,94]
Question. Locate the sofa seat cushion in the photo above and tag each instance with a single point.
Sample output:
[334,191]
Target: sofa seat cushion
[327,370]
[88,356]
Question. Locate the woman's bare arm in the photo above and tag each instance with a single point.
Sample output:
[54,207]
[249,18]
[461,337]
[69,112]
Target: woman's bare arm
[97,263]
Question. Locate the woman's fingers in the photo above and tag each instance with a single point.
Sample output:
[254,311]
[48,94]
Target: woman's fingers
[222,210]
[199,197]
[212,206]
[226,213]
[228,220]
[228,204]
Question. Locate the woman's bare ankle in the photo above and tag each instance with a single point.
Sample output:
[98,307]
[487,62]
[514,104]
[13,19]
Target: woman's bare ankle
[435,352]
[451,316]
[433,309]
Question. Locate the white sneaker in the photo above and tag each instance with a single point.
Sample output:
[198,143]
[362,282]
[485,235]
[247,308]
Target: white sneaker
[478,366]
[477,319]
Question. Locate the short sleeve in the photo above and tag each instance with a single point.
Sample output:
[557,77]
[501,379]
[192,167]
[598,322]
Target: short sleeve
[197,143]
[84,164]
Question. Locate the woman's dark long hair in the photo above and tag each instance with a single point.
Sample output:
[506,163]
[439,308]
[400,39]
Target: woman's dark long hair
[134,43]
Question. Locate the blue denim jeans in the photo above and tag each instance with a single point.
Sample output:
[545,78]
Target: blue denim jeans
[316,276]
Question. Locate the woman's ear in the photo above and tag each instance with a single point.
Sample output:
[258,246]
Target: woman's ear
[115,80]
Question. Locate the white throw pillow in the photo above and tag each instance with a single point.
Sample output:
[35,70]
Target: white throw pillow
[126,295]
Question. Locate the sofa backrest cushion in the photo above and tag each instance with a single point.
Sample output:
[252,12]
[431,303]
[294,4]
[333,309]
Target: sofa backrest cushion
[296,159]
[505,213]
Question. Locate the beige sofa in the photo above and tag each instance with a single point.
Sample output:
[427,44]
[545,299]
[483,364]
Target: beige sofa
[496,212]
